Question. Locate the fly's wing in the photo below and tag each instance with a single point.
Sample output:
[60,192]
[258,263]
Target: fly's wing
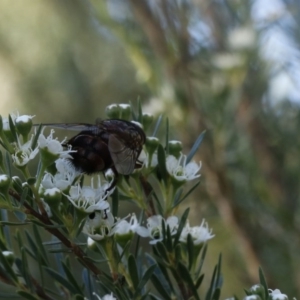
[73,126]
[123,157]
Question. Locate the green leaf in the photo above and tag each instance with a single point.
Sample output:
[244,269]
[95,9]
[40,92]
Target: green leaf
[138,238]
[195,147]
[126,247]
[47,226]
[61,280]
[12,128]
[23,196]
[158,204]
[162,274]
[4,146]
[36,136]
[7,296]
[5,230]
[162,251]
[21,216]
[35,247]
[168,237]
[175,203]
[158,122]
[190,249]
[27,295]
[219,279]
[2,223]
[146,277]
[167,136]
[216,282]
[181,225]
[25,269]
[178,250]
[160,288]
[185,276]
[115,202]
[204,250]
[211,287]
[216,294]
[134,116]
[133,272]
[78,297]
[88,284]
[162,163]
[177,197]
[199,281]
[79,228]
[8,164]
[140,111]
[39,244]
[71,279]
[263,282]
[9,271]
[154,297]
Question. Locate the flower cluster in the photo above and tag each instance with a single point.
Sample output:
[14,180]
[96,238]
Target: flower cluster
[72,206]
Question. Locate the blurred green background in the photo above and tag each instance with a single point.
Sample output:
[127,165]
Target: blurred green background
[230,67]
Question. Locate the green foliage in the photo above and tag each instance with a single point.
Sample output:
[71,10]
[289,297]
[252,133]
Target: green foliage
[108,264]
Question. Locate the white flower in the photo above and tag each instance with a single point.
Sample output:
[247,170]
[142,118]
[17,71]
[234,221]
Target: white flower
[252,297]
[53,145]
[7,253]
[154,228]
[5,121]
[137,123]
[124,106]
[24,153]
[88,198]
[4,178]
[24,119]
[277,295]
[90,242]
[200,234]
[62,179]
[123,227]
[99,225]
[180,170]
[255,287]
[105,297]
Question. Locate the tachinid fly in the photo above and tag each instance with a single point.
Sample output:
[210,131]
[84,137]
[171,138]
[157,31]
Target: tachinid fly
[111,143]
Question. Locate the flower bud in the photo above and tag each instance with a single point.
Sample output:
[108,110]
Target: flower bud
[123,239]
[31,181]
[6,130]
[4,183]
[91,244]
[151,144]
[52,196]
[125,110]
[147,120]
[24,125]
[10,257]
[113,111]
[17,184]
[257,290]
[252,297]
[175,148]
